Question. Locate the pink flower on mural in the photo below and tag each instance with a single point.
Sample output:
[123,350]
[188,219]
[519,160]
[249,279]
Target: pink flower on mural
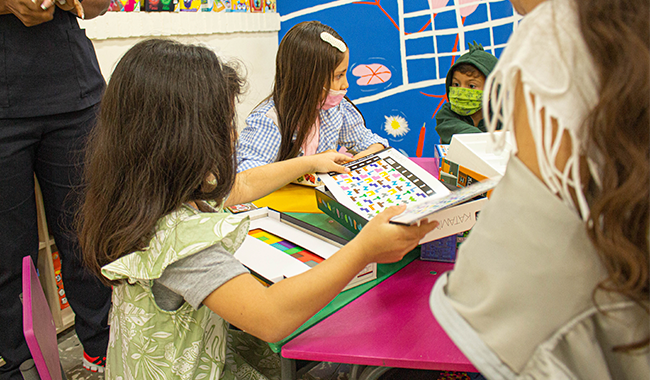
[373,73]
[468,10]
[464,11]
[435,4]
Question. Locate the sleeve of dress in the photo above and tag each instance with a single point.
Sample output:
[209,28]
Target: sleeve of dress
[196,276]
[354,135]
[259,141]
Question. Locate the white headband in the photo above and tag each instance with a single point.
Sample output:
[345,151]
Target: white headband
[335,42]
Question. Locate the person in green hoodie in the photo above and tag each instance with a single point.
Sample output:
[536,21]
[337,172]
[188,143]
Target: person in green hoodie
[464,86]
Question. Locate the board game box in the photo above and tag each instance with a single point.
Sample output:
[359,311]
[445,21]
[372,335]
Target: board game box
[388,178]
[380,180]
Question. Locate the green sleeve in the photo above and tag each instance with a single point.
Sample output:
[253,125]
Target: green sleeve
[449,123]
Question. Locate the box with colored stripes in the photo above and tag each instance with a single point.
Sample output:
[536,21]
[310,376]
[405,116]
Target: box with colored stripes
[279,246]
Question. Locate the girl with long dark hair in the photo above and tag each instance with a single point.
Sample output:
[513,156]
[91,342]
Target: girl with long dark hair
[161,166]
[307,111]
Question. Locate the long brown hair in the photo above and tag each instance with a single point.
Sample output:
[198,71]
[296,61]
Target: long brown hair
[617,35]
[304,65]
[166,121]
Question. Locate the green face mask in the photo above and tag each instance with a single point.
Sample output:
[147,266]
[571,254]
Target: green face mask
[465,101]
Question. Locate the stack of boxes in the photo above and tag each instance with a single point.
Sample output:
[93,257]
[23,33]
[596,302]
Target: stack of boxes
[468,159]
[63,300]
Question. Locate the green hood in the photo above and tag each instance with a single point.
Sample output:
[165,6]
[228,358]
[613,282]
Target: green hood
[477,57]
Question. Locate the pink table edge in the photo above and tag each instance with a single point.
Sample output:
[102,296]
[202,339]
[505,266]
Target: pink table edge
[38,325]
[391,325]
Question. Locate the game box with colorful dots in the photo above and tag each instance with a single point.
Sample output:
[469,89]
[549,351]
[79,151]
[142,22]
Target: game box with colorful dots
[388,178]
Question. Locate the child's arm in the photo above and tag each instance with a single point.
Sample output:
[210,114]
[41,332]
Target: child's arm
[259,142]
[260,181]
[449,123]
[355,136]
[275,312]
[371,149]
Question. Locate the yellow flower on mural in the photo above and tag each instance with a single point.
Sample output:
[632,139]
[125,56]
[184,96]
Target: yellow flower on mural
[396,126]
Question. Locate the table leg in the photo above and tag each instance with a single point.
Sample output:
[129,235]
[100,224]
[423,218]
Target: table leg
[304,366]
[287,368]
[355,370]
[373,373]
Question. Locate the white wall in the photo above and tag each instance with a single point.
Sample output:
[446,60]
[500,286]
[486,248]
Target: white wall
[250,38]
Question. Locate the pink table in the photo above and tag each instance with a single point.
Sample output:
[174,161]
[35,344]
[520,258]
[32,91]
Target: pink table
[391,325]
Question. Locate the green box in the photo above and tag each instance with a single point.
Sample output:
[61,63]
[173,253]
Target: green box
[330,206]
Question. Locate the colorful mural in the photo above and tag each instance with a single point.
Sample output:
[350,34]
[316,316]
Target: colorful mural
[400,52]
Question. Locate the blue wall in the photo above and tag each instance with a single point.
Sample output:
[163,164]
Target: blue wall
[400,99]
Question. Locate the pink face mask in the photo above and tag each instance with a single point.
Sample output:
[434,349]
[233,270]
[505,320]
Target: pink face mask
[334,98]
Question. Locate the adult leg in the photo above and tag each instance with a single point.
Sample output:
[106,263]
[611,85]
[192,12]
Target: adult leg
[18,235]
[59,165]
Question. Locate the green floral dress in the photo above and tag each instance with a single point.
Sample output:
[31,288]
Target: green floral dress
[147,342]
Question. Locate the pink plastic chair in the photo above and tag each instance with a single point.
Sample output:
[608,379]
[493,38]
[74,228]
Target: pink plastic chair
[38,326]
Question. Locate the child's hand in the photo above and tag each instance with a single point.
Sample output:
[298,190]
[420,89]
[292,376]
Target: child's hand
[383,242]
[329,161]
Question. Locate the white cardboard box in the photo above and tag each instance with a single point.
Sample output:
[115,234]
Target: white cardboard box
[275,265]
[476,152]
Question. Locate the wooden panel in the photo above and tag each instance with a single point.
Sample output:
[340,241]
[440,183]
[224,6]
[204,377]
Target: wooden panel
[67,319]
[62,319]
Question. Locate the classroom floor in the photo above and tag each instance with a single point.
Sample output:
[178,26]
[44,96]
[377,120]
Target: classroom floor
[71,352]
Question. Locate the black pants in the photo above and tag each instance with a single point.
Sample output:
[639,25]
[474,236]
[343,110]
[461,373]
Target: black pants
[52,148]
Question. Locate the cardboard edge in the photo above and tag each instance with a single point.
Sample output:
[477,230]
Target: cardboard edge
[367,274]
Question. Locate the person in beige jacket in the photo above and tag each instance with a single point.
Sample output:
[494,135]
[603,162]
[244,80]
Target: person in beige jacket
[552,282]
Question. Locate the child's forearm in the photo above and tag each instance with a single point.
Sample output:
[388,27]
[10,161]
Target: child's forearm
[257,182]
[371,149]
[273,313]
[375,148]
[260,181]
[298,298]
